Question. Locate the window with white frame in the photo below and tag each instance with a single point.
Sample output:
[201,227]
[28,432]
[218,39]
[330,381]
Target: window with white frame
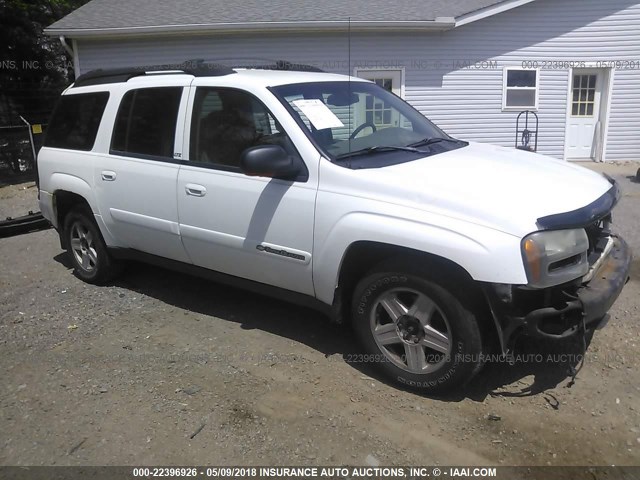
[520,89]
[379,113]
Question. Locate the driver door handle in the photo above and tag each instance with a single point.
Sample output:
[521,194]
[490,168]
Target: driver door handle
[195,190]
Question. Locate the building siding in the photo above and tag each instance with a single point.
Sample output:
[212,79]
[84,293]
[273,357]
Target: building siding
[455,77]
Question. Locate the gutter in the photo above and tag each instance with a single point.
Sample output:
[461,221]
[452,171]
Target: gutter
[439,24]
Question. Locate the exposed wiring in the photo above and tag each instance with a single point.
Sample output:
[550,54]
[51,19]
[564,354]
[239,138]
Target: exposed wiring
[573,370]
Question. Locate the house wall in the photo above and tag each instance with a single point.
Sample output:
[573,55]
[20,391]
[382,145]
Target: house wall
[455,77]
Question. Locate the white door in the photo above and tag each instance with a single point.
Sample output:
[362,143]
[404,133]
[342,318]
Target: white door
[255,228]
[136,183]
[584,113]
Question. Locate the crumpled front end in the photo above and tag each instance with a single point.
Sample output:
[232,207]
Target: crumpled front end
[560,311]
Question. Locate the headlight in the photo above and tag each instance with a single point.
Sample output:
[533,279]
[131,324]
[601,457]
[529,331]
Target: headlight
[555,257]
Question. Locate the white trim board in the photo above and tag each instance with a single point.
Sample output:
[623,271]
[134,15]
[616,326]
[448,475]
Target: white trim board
[489,11]
[357,70]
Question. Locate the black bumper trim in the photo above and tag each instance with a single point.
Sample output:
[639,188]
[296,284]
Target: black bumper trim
[594,299]
[601,292]
[27,223]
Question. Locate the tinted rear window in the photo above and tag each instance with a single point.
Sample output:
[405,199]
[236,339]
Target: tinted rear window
[146,122]
[75,121]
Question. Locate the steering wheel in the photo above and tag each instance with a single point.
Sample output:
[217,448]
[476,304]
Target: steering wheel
[362,127]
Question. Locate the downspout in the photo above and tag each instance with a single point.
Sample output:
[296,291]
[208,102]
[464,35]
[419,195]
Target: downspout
[73,53]
[66,46]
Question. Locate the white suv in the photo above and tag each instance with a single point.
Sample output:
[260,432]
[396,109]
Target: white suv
[333,192]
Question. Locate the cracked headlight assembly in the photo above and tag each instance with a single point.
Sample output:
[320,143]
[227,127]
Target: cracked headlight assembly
[554,257]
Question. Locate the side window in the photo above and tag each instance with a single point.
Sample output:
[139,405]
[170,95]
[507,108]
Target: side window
[75,121]
[225,122]
[146,122]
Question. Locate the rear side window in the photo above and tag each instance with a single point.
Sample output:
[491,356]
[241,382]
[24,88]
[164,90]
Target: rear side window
[75,121]
[146,122]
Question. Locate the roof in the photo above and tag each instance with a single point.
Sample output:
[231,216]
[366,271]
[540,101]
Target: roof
[118,17]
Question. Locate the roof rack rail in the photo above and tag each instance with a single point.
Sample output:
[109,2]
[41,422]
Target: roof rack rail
[256,64]
[197,68]
[284,65]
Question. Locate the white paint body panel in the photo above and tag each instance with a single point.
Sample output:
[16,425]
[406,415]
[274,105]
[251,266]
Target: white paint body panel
[222,229]
[139,207]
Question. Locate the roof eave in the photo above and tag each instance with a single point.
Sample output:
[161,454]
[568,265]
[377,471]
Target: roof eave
[439,24]
[489,11]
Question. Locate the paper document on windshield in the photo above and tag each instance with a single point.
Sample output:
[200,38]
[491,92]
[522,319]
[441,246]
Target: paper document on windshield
[318,113]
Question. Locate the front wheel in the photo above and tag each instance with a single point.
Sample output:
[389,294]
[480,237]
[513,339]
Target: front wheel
[418,329]
[87,250]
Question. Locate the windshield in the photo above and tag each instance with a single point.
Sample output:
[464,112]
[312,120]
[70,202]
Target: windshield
[348,119]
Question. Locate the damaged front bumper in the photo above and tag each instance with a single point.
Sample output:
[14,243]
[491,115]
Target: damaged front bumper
[559,312]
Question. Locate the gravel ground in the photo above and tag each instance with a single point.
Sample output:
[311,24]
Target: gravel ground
[17,200]
[161,368]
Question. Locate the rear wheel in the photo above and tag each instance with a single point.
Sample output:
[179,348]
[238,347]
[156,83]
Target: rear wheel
[87,250]
[416,328]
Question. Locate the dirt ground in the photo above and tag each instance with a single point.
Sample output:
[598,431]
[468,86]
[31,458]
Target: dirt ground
[161,368]
[18,200]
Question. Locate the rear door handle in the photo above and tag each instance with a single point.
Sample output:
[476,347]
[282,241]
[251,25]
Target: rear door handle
[108,176]
[195,190]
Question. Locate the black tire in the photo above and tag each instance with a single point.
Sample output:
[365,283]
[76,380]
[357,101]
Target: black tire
[454,362]
[90,259]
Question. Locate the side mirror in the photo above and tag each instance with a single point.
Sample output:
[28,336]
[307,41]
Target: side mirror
[268,161]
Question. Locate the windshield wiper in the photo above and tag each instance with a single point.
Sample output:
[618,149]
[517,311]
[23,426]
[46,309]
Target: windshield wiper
[378,148]
[430,141]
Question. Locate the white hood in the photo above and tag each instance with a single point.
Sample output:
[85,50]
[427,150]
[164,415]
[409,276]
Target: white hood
[502,188]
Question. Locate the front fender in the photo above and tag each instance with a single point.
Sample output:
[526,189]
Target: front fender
[486,254]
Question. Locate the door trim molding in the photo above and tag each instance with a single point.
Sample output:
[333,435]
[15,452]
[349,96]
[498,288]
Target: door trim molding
[145,221]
